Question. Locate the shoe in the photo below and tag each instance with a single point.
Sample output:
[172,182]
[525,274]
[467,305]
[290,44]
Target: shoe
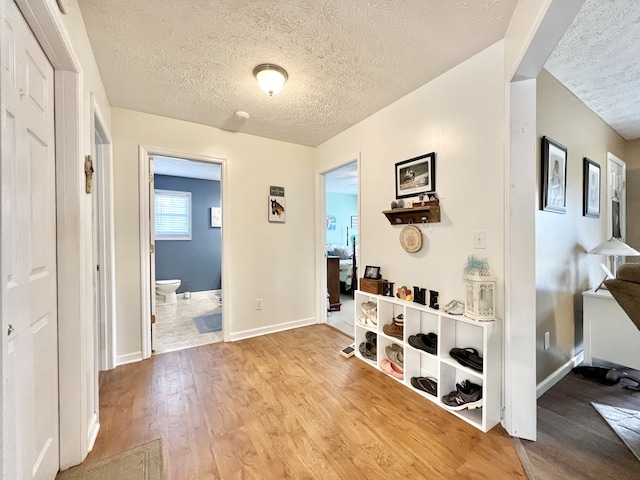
[607,376]
[372,338]
[457,309]
[395,355]
[467,396]
[394,329]
[370,310]
[449,305]
[399,319]
[390,369]
[428,342]
[368,351]
[426,384]
[468,357]
[367,322]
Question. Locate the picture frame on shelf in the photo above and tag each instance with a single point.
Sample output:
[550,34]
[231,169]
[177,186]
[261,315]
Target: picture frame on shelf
[554,176]
[371,272]
[591,190]
[416,175]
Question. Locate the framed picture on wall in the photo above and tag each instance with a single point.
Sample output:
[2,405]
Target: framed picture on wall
[416,175]
[591,190]
[554,176]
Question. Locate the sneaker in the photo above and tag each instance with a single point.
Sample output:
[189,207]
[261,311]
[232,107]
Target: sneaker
[454,307]
[467,396]
[457,309]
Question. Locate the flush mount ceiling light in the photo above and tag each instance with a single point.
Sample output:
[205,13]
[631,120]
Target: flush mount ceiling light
[271,78]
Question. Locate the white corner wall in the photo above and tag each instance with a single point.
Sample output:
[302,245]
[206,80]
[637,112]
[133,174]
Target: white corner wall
[460,116]
[271,261]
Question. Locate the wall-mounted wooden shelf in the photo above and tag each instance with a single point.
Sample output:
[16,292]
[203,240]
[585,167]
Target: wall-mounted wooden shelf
[417,215]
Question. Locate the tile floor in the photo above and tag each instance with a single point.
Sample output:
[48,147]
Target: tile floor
[175,327]
[343,320]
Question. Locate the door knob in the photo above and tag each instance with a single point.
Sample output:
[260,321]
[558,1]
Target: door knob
[9,330]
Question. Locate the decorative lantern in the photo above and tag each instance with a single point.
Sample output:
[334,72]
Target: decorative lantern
[480,303]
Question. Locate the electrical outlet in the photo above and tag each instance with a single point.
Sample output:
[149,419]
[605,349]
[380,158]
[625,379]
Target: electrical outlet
[258,304]
[479,239]
[547,340]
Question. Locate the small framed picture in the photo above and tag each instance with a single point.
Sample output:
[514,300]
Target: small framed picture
[372,273]
[416,175]
[554,176]
[591,191]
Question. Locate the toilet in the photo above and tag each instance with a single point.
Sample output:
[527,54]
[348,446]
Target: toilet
[166,291]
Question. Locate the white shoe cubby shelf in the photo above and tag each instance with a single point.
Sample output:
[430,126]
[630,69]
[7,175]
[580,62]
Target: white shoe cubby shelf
[453,331]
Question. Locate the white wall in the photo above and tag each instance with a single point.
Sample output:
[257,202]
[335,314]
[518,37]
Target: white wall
[460,116]
[563,268]
[271,261]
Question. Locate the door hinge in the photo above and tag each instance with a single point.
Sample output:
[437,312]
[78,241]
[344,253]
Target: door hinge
[153,319]
[97,268]
[151,178]
[152,248]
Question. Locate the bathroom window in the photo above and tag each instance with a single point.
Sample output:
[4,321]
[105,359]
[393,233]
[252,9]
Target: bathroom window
[173,215]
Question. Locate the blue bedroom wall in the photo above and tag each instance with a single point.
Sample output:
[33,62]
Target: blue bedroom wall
[197,262]
[340,208]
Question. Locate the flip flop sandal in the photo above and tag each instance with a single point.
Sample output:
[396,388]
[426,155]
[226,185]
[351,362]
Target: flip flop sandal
[426,384]
[468,357]
[427,343]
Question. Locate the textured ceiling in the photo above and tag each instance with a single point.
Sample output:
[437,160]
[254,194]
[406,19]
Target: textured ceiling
[346,59]
[598,59]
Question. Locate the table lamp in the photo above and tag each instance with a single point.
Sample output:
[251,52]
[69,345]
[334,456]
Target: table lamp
[612,248]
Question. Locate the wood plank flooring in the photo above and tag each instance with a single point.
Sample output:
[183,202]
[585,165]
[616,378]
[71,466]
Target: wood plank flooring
[574,441]
[287,405]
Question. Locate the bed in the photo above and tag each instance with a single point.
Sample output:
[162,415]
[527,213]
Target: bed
[347,256]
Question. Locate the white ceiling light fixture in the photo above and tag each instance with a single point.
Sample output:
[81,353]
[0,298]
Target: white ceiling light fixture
[270,77]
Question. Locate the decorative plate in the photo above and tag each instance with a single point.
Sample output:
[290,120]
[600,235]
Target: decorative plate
[411,238]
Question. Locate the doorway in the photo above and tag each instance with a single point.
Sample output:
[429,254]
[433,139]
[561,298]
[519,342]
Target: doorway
[342,245]
[186,220]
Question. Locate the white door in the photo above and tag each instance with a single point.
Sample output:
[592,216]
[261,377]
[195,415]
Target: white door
[152,255]
[28,244]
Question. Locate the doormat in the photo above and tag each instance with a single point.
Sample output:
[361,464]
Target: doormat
[209,323]
[625,422]
[143,462]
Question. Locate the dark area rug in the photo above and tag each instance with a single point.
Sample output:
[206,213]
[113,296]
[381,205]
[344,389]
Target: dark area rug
[209,323]
[143,462]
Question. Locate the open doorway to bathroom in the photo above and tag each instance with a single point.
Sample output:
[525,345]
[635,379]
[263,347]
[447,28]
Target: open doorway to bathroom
[342,242]
[187,258]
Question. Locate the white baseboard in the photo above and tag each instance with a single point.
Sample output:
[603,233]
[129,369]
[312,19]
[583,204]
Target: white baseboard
[94,428]
[256,332]
[129,358]
[559,374]
[206,294]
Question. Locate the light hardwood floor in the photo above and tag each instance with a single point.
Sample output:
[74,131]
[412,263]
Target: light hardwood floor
[287,405]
